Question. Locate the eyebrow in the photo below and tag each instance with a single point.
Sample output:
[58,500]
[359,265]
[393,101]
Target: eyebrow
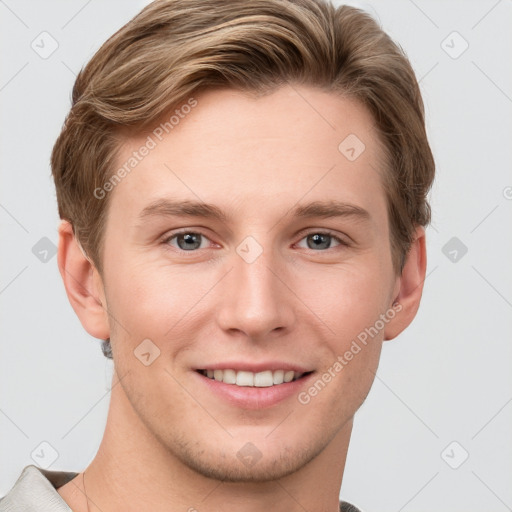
[326,209]
[187,208]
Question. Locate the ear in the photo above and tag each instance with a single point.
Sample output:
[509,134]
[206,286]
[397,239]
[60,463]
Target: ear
[83,283]
[409,286]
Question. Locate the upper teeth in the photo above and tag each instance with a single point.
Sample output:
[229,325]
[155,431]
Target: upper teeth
[261,379]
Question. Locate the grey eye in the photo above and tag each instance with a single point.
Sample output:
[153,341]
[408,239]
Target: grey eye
[319,240]
[187,241]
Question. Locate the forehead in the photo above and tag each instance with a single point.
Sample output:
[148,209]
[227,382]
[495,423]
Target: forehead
[246,152]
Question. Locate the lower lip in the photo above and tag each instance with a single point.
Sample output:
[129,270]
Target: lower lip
[247,397]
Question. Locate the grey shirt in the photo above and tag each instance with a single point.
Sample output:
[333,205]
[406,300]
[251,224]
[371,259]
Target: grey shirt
[35,491]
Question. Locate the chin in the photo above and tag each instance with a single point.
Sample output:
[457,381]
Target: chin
[266,469]
[251,462]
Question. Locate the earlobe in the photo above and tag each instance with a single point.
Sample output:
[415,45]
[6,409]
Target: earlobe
[83,284]
[410,286]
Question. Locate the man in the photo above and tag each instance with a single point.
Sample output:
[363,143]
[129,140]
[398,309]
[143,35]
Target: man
[243,193]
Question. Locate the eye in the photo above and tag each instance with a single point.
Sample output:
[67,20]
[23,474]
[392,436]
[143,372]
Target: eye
[187,240]
[322,240]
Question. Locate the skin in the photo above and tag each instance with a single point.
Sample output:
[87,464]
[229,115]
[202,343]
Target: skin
[170,443]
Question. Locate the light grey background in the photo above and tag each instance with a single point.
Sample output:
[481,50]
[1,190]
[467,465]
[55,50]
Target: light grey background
[447,378]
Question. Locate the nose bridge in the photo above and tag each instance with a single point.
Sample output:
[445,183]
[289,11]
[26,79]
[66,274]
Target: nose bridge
[254,299]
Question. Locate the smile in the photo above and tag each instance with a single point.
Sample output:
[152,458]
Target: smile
[263,379]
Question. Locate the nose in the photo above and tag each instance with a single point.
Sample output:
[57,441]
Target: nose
[256,299]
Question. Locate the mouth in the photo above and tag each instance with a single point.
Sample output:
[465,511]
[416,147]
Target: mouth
[262,379]
[251,385]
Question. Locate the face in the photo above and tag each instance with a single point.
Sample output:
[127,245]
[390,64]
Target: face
[287,266]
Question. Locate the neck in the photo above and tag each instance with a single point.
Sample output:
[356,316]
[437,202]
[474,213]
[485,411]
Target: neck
[133,471]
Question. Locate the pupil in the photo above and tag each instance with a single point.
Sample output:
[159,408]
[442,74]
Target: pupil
[191,241]
[320,241]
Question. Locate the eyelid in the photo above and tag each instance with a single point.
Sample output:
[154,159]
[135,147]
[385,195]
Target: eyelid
[165,239]
[342,239]
[171,234]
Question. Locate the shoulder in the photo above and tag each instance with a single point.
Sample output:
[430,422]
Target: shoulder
[35,490]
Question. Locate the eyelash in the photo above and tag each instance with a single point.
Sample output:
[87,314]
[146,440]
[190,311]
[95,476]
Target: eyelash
[167,239]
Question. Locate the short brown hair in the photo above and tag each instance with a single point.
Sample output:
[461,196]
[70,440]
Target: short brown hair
[175,48]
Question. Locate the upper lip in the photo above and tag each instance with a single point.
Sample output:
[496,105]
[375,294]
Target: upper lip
[255,367]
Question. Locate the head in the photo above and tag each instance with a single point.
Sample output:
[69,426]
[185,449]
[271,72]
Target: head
[243,126]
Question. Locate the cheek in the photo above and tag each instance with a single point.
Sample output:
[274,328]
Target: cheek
[156,300]
[350,303]
[348,299]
